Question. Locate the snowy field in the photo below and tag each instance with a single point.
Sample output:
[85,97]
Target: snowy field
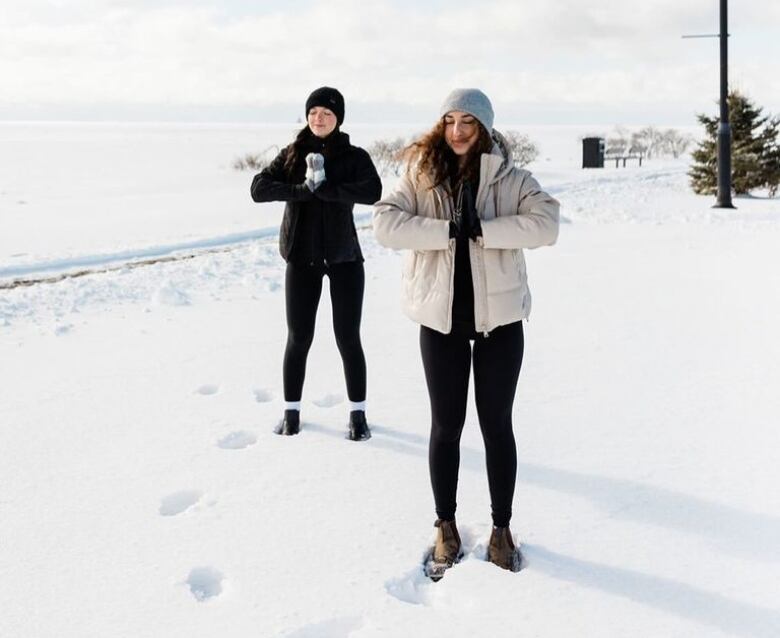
[143,494]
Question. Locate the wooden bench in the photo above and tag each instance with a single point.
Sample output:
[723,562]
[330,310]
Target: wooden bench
[617,158]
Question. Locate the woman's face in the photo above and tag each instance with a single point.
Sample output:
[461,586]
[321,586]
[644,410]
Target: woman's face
[461,131]
[321,121]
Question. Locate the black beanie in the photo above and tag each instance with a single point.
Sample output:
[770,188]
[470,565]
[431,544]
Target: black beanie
[328,97]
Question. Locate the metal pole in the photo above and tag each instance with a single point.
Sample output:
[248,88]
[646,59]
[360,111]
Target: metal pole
[724,127]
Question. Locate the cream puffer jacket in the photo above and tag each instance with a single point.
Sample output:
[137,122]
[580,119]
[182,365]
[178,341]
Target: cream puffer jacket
[515,213]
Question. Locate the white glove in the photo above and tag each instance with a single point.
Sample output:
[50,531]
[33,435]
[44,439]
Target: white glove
[315,171]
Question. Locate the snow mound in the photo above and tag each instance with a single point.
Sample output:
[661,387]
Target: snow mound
[169,295]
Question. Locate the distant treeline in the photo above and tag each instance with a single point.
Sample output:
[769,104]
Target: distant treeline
[388,155]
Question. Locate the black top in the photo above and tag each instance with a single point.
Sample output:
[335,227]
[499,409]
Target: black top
[318,227]
[465,199]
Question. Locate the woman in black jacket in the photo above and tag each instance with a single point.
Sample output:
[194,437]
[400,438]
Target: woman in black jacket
[321,176]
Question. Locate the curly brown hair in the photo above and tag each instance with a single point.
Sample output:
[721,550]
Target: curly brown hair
[431,155]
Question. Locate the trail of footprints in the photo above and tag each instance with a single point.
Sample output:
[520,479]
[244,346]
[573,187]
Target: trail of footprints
[206,582]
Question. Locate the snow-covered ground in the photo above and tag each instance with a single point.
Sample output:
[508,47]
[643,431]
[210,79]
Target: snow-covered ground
[142,492]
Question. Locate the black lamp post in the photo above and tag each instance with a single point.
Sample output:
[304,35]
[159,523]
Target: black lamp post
[724,127]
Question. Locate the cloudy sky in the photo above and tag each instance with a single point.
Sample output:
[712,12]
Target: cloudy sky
[564,61]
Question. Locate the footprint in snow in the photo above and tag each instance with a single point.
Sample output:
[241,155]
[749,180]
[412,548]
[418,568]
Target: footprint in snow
[205,583]
[411,588]
[332,628]
[179,502]
[208,389]
[262,395]
[237,440]
[63,329]
[414,586]
[328,400]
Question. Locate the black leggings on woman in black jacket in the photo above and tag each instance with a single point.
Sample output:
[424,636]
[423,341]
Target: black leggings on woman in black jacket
[303,287]
[447,363]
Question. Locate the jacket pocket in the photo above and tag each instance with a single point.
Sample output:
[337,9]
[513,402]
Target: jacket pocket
[502,270]
[410,264]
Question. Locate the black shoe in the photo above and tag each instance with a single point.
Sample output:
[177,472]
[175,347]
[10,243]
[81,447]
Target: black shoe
[358,428]
[290,424]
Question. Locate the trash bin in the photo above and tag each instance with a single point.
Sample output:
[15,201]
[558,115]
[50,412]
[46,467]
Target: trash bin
[593,152]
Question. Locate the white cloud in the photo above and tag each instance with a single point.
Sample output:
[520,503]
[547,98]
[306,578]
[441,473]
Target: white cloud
[170,54]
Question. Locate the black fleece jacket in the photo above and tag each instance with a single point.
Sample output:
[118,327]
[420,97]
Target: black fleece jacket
[318,227]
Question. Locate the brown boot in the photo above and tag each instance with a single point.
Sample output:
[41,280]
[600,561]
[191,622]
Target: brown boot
[447,547]
[446,550]
[502,550]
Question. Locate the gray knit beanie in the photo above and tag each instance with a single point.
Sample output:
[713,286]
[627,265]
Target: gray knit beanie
[471,101]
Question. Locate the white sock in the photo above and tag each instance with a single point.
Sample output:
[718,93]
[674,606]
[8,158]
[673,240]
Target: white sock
[357,405]
[292,405]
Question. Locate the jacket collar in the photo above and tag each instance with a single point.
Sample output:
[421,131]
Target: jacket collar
[497,163]
[493,166]
[334,144]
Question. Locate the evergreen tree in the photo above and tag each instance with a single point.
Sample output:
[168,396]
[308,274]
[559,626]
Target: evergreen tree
[770,155]
[755,151]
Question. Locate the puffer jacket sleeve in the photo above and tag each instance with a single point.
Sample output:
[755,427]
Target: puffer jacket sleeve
[534,225]
[365,187]
[397,224]
[270,184]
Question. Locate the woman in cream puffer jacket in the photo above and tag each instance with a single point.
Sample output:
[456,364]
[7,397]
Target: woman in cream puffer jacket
[515,213]
[465,213]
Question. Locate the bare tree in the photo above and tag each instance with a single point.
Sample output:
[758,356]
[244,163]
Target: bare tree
[619,142]
[638,145]
[648,142]
[522,149]
[387,155]
[651,139]
[257,161]
[675,143]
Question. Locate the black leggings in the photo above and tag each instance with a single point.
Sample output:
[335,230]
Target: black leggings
[303,286]
[447,363]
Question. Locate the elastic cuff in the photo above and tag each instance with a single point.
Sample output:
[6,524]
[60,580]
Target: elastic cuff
[501,520]
[448,515]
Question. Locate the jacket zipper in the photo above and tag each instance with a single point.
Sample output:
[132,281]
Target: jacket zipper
[480,263]
[478,259]
[451,250]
